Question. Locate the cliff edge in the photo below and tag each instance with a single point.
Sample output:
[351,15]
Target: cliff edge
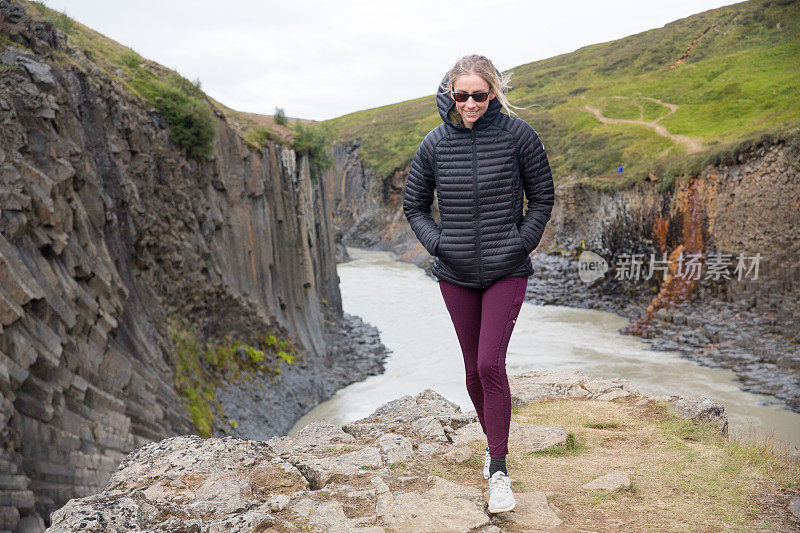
[585,453]
[137,281]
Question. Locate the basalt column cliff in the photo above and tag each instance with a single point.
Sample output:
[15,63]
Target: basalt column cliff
[110,236]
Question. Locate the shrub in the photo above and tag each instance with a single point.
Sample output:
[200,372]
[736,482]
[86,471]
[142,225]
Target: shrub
[314,142]
[272,340]
[258,137]
[41,7]
[289,358]
[188,116]
[280,116]
[189,88]
[255,354]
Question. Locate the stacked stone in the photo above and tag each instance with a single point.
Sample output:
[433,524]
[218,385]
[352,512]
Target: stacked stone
[16,499]
[75,399]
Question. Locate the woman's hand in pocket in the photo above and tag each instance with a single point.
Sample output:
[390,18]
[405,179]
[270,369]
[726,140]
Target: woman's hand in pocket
[523,250]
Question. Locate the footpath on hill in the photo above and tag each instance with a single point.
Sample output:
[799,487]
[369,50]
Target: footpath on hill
[693,146]
[586,453]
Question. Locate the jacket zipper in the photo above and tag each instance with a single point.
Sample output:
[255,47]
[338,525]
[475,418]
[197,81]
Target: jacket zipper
[477,207]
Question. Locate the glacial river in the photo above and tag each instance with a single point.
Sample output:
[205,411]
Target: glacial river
[407,307]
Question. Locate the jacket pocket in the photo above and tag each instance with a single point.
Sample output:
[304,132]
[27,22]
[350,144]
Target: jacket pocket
[519,240]
[435,251]
[441,244]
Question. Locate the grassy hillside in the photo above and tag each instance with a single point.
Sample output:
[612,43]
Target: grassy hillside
[665,101]
[177,98]
[738,83]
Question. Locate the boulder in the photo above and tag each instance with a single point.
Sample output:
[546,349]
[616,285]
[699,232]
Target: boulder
[522,437]
[396,447]
[701,409]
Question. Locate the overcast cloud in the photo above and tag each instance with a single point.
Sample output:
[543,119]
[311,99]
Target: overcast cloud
[325,59]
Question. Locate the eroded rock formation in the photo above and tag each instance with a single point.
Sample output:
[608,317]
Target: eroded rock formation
[109,232]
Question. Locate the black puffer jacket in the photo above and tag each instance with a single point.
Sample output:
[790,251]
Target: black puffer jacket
[479,175]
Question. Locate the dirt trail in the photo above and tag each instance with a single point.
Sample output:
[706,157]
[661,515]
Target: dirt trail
[691,144]
[691,45]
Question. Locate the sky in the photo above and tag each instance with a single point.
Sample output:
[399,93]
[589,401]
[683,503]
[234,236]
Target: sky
[320,60]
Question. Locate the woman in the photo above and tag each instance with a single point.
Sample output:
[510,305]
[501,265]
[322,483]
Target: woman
[480,162]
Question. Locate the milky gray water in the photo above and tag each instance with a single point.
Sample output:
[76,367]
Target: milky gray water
[407,308]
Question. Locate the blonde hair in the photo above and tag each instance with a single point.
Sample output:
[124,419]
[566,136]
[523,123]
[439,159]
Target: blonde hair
[483,67]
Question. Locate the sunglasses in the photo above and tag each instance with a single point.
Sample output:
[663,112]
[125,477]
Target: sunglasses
[463,97]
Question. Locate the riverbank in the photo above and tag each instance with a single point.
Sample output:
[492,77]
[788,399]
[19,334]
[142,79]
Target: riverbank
[585,452]
[705,328]
[254,408]
[546,337]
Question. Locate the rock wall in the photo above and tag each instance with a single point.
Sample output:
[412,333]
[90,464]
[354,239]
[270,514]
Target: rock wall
[749,323]
[367,210]
[107,231]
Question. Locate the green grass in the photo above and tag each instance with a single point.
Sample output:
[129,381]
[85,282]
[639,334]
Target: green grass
[681,430]
[737,87]
[130,60]
[390,134]
[257,137]
[182,102]
[601,425]
[59,19]
[201,367]
[475,461]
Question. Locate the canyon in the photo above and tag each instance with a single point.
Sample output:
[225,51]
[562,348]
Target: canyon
[741,208]
[116,244]
[130,271]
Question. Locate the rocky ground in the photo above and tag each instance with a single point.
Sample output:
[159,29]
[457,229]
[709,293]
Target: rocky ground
[259,411]
[585,452]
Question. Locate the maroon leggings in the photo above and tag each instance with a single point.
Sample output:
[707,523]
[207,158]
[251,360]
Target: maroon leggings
[484,320]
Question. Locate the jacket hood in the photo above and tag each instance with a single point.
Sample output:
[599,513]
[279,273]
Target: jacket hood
[445,103]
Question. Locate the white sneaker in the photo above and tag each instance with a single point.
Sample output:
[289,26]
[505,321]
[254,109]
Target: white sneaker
[500,496]
[486,462]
